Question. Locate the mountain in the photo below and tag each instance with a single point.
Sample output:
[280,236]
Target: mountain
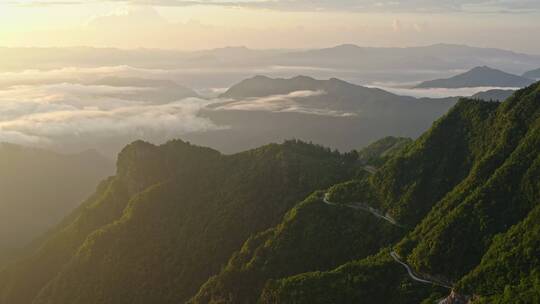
[39,187]
[534,74]
[436,57]
[479,77]
[329,112]
[169,218]
[462,199]
[219,68]
[451,217]
[300,243]
[334,94]
[380,151]
[494,95]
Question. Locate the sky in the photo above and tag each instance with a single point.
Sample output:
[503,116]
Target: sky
[203,24]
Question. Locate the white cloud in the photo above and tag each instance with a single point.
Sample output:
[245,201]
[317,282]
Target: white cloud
[43,114]
[50,114]
[76,75]
[437,92]
[291,102]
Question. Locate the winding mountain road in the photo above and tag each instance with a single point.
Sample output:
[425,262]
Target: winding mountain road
[365,207]
[417,277]
[370,169]
[409,270]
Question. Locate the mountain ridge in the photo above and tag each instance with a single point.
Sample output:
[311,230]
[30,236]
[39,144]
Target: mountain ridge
[482,76]
[169,182]
[534,74]
[278,224]
[379,278]
[262,109]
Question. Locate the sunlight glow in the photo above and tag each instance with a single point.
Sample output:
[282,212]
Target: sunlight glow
[119,24]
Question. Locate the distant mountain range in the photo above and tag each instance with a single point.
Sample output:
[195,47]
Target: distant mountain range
[333,94]
[435,57]
[451,217]
[40,187]
[250,113]
[218,68]
[330,112]
[479,77]
[534,74]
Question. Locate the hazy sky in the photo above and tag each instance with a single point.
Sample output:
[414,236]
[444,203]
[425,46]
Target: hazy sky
[190,24]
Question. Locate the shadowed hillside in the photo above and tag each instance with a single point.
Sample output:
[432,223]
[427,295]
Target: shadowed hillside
[38,188]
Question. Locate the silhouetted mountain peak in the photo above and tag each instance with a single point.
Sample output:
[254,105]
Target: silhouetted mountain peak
[486,69]
[347,46]
[303,78]
[534,74]
[259,77]
[339,81]
[260,86]
[480,76]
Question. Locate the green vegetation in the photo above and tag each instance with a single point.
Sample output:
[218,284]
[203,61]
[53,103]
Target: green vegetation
[377,153]
[168,220]
[313,236]
[499,191]
[183,223]
[376,279]
[470,189]
[510,270]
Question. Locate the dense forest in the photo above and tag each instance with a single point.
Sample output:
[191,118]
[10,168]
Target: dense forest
[170,218]
[453,214]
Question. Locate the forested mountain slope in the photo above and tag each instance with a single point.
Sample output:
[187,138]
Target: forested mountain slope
[465,197]
[169,219]
[494,95]
[453,213]
[312,236]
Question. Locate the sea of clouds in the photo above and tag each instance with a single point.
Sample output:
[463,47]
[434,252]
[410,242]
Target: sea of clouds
[43,114]
[45,108]
[51,107]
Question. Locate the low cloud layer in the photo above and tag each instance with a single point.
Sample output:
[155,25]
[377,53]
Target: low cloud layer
[45,114]
[293,102]
[77,75]
[40,108]
[439,92]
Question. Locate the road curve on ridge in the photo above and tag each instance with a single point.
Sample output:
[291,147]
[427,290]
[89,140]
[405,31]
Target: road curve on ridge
[363,207]
[413,275]
[379,214]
